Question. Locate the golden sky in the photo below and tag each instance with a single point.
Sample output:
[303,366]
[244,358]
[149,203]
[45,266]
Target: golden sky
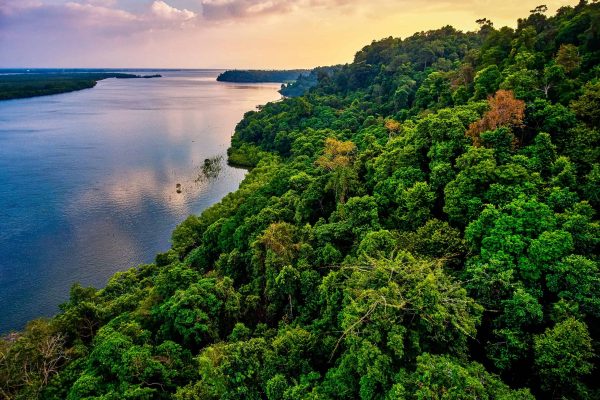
[225,33]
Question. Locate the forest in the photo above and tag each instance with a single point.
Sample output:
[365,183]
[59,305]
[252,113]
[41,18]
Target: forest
[17,84]
[421,224]
[305,82]
[294,83]
[257,76]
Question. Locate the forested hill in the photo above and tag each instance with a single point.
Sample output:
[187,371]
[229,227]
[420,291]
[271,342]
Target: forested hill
[257,76]
[421,225]
[307,81]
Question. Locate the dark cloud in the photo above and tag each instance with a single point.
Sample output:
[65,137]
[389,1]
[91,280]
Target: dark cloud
[227,9]
[240,9]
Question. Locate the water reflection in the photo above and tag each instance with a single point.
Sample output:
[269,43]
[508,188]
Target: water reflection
[88,180]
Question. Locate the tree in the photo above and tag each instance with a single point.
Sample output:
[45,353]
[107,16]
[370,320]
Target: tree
[523,83]
[28,361]
[393,127]
[434,92]
[563,354]
[485,26]
[504,110]
[415,204]
[279,238]
[201,313]
[487,82]
[553,76]
[541,9]
[587,106]
[338,158]
[380,244]
[576,279]
[445,378]
[568,58]
[464,196]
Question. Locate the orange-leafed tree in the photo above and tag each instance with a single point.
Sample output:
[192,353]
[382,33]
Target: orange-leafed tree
[505,110]
[393,127]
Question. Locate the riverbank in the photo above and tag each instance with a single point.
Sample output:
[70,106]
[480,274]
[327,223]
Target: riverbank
[261,76]
[26,85]
[88,180]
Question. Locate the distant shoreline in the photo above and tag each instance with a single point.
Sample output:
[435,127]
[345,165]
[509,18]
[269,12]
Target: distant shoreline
[261,76]
[28,83]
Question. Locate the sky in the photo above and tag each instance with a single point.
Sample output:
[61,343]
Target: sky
[226,33]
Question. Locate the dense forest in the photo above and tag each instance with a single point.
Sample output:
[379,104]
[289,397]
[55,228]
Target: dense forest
[257,75]
[16,85]
[295,82]
[422,224]
[305,82]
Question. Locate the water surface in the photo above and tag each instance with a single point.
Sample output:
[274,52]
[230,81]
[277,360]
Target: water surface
[88,179]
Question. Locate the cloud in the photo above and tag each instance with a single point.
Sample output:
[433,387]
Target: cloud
[235,9]
[98,15]
[92,15]
[225,33]
[105,3]
[165,11]
[11,7]
[242,9]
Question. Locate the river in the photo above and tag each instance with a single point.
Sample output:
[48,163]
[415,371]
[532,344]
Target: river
[89,179]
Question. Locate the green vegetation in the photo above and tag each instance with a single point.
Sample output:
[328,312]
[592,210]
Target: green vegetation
[22,85]
[305,82]
[421,225]
[257,76]
[295,82]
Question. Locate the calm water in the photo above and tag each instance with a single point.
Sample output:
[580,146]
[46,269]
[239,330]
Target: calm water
[88,179]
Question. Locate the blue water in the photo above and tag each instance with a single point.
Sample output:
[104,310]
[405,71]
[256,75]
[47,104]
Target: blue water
[88,179]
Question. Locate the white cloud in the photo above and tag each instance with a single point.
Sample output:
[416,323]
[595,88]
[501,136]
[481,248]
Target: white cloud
[92,14]
[165,11]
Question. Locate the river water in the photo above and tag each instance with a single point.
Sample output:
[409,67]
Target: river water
[88,180]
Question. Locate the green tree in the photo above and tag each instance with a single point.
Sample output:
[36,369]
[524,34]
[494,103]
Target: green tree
[568,58]
[487,81]
[563,355]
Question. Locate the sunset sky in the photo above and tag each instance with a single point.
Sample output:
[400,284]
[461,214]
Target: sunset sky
[225,33]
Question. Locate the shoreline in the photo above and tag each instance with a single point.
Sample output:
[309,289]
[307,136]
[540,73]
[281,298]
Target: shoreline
[213,194]
[31,85]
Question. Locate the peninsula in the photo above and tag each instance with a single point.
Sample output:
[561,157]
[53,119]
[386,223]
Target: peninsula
[22,84]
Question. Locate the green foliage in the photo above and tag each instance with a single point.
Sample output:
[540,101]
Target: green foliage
[29,360]
[407,230]
[245,156]
[487,82]
[441,377]
[587,105]
[253,76]
[562,354]
[195,315]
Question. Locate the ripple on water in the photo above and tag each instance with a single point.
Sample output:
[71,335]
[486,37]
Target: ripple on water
[88,179]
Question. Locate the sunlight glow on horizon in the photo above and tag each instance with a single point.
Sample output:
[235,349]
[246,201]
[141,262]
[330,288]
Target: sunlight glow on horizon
[225,33]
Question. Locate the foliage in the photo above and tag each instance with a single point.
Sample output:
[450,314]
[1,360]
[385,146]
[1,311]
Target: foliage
[421,224]
[504,110]
[255,76]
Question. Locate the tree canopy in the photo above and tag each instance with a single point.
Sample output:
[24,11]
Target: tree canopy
[421,224]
